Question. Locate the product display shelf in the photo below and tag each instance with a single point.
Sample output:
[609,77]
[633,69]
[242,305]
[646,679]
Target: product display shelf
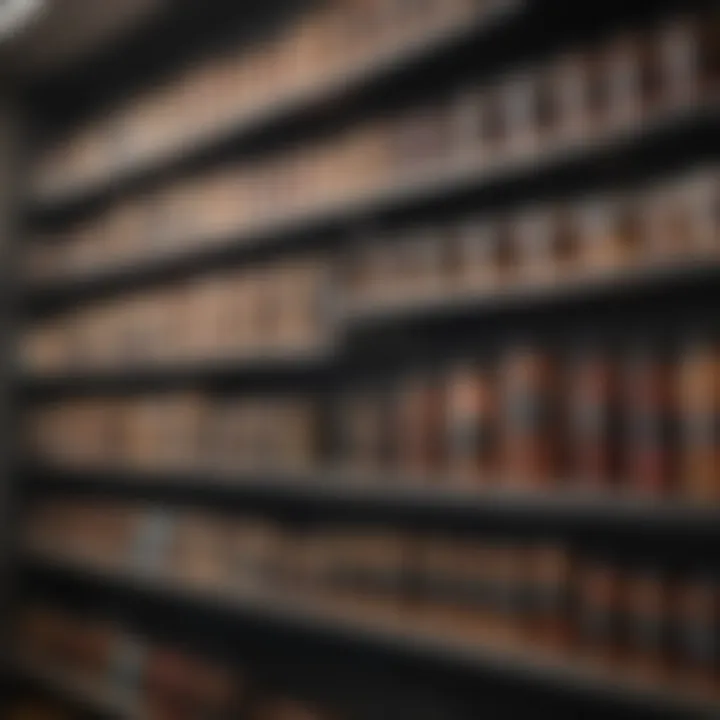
[617,286]
[434,184]
[338,494]
[380,630]
[433,503]
[150,375]
[392,61]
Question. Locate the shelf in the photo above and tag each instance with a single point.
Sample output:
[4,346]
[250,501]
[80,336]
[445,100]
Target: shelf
[385,631]
[434,184]
[616,286]
[98,698]
[332,494]
[394,60]
[181,374]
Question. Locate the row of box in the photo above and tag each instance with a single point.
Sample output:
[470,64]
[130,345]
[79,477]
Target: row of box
[289,307]
[164,682]
[642,422]
[315,50]
[476,131]
[177,431]
[555,244]
[541,592]
[267,311]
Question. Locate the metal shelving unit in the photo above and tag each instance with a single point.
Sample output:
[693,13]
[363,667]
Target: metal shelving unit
[332,493]
[412,639]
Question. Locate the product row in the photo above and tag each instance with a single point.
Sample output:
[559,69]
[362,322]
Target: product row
[159,682]
[642,422]
[178,431]
[294,306]
[311,52]
[553,245]
[575,101]
[275,310]
[542,594]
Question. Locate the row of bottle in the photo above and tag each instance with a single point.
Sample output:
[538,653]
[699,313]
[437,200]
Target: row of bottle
[641,421]
[543,594]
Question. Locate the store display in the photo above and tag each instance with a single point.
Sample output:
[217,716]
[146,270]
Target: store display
[546,597]
[562,244]
[628,82]
[268,312]
[383,191]
[633,420]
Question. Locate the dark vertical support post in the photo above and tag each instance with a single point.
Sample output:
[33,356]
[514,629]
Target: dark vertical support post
[11,197]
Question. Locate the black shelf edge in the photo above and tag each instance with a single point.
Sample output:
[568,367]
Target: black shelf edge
[393,62]
[91,695]
[434,184]
[618,284]
[299,614]
[333,493]
[173,374]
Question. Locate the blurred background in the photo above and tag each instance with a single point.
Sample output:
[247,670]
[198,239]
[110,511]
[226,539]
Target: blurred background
[361,359]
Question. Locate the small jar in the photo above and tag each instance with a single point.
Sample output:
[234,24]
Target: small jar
[419,429]
[688,56]
[420,141]
[621,84]
[471,426]
[610,235]
[478,127]
[476,256]
[365,435]
[519,101]
[548,594]
[698,378]
[666,225]
[647,621]
[598,596]
[535,237]
[593,419]
[529,419]
[696,630]
[699,196]
[424,265]
[506,582]
[565,102]
[649,441]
